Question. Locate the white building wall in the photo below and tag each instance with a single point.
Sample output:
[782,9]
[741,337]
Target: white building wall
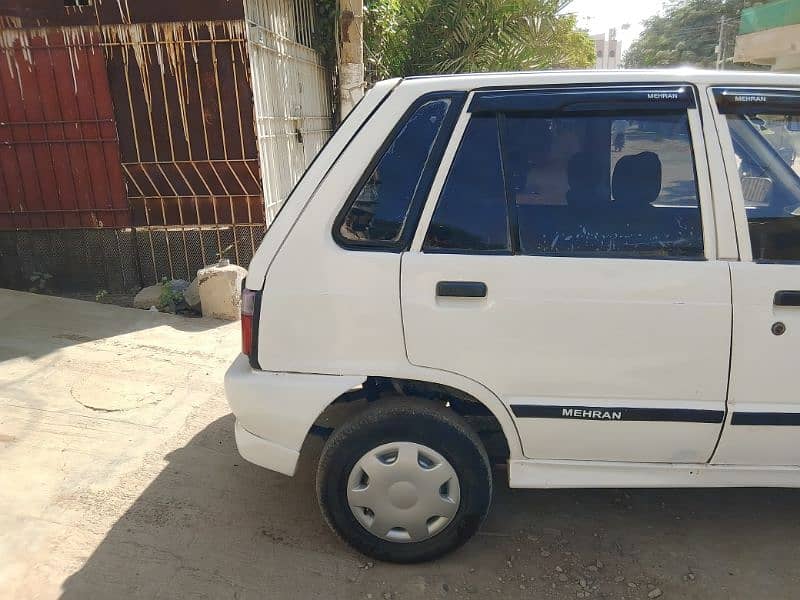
[777,47]
[607,50]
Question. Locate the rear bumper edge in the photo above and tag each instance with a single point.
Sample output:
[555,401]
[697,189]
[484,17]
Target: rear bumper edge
[265,453]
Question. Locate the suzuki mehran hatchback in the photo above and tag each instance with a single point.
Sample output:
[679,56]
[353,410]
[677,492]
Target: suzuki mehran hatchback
[590,277]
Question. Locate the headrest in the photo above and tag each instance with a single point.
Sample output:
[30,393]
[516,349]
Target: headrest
[637,179]
[579,173]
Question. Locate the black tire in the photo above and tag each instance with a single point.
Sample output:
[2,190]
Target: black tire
[406,420]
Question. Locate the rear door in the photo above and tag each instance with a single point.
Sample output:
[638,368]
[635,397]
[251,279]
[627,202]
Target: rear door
[760,135]
[566,261]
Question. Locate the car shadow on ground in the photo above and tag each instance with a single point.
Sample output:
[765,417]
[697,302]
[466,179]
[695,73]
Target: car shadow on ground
[210,525]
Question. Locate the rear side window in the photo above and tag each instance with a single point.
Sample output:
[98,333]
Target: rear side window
[596,185]
[378,213]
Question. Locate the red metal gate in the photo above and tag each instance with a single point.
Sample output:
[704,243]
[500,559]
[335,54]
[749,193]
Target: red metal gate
[59,153]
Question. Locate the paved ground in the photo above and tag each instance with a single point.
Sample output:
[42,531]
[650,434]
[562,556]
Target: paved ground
[119,478]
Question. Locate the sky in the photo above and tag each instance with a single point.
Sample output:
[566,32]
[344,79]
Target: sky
[598,16]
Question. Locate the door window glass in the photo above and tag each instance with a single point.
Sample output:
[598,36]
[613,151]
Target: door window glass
[603,185]
[596,184]
[471,214]
[766,149]
[379,211]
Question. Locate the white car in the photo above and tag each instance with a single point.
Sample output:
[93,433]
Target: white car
[590,277]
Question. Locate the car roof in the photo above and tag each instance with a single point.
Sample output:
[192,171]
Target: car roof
[468,81]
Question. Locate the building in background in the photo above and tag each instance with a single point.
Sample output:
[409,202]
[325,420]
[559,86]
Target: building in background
[142,139]
[607,50]
[769,34]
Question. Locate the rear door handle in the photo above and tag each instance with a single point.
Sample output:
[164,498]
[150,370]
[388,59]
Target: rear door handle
[787,298]
[461,289]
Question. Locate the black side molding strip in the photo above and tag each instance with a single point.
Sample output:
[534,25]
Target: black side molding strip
[766,418]
[604,413]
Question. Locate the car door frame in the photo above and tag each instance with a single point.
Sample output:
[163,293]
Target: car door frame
[749,437]
[708,210]
[714,244]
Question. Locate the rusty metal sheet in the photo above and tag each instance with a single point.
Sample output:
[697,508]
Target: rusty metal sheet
[181,93]
[30,8]
[44,13]
[53,13]
[184,116]
[151,11]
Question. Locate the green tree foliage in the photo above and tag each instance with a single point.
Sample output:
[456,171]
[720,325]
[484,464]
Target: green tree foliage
[385,38]
[687,34]
[408,37]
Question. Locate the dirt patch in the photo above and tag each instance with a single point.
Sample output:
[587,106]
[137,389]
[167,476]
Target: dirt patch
[72,337]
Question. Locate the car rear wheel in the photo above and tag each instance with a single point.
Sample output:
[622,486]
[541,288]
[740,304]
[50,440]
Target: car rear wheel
[404,481]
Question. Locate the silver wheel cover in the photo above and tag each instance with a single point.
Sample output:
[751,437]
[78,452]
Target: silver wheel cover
[403,492]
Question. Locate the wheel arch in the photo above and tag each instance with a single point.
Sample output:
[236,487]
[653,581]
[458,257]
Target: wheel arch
[478,405]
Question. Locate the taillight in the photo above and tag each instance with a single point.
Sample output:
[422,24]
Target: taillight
[248,315]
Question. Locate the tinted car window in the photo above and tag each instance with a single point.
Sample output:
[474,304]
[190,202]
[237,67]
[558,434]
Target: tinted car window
[380,210]
[603,185]
[471,214]
[589,185]
[766,151]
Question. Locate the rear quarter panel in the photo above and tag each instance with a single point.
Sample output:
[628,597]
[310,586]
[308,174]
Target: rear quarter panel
[305,188]
[326,309]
